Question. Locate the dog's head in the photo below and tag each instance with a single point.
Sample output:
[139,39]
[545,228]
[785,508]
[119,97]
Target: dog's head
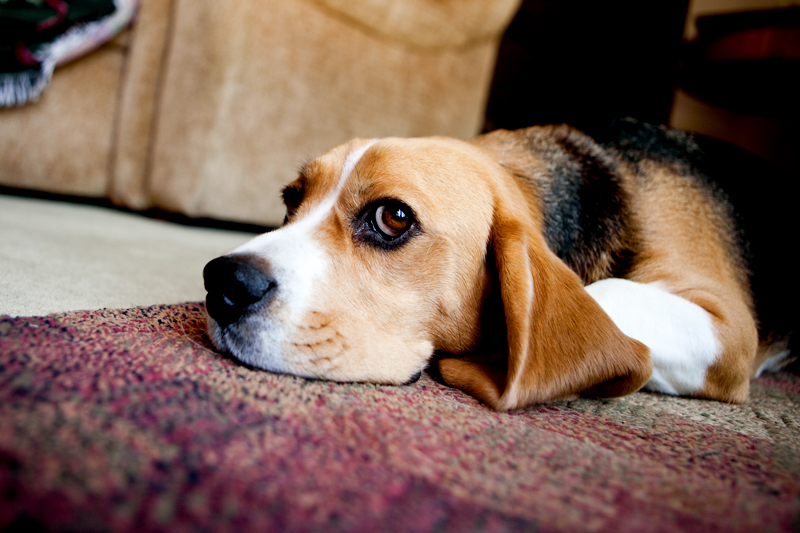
[398,248]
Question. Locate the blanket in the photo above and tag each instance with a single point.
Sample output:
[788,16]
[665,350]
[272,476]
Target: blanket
[127,420]
[36,36]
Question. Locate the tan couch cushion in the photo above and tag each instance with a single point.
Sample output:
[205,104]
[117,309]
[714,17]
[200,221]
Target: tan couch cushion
[251,93]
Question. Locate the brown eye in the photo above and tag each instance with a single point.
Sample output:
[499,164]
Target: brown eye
[392,219]
[386,224]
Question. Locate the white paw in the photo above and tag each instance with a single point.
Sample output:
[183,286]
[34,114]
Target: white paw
[680,334]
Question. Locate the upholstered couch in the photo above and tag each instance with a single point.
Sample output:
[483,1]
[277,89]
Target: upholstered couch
[207,108]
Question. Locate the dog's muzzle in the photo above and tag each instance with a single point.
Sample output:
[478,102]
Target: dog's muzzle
[233,286]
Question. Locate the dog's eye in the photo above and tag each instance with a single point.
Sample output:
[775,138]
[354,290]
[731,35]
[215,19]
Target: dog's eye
[292,196]
[386,224]
[392,220]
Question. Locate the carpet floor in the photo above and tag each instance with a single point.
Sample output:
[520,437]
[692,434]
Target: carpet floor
[126,420]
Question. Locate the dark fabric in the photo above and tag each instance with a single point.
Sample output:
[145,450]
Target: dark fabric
[31,24]
[126,420]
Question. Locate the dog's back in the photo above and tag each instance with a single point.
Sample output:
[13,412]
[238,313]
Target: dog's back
[751,193]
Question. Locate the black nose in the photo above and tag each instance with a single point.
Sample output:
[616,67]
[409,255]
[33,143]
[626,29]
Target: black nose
[233,284]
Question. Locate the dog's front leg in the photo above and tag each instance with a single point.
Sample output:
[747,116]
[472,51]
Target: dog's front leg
[680,334]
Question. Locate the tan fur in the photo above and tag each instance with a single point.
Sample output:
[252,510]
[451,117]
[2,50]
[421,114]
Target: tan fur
[684,248]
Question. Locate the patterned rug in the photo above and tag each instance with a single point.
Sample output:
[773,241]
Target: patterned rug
[125,420]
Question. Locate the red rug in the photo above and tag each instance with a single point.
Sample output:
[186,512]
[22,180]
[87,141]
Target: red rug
[125,420]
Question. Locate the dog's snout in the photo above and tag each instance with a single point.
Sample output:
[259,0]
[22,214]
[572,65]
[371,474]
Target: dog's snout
[233,284]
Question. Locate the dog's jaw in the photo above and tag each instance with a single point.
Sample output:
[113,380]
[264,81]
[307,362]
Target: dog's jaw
[252,342]
[317,347]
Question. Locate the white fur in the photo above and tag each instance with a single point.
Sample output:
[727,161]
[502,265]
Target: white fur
[680,334]
[298,262]
[350,164]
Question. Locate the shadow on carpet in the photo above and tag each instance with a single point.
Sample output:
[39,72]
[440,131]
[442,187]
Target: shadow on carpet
[125,420]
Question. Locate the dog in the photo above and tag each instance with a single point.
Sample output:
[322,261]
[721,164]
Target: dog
[529,265]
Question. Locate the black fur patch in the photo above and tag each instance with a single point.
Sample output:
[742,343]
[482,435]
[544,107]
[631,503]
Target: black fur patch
[585,208]
[587,220]
[635,141]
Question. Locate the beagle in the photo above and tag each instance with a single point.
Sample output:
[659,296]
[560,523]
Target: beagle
[531,265]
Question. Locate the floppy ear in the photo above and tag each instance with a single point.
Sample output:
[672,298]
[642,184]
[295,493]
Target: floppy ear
[560,342]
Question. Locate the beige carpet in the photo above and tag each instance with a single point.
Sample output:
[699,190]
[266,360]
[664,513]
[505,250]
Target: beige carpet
[57,256]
